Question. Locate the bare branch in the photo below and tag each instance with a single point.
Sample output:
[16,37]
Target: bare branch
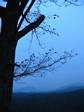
[30,27]
[38,65]
[23,5]
[71,2]
[24,15]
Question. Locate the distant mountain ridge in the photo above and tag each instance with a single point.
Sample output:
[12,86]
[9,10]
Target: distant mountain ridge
[70,88]
[67,88]
[26,89]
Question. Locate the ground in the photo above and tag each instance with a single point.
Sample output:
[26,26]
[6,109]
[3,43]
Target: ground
[48,102]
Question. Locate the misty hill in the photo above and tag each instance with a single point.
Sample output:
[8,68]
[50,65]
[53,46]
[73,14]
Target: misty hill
[71,88]
[31,89]
[49,102]
[25,89]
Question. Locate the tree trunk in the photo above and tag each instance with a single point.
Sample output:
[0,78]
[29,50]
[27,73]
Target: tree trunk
[8,43]
[7,56]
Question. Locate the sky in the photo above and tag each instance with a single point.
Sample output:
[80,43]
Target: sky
[70,26]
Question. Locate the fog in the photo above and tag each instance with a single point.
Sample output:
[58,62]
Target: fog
[70,26]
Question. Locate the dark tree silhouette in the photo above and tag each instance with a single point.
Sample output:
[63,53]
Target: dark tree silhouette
[12,17]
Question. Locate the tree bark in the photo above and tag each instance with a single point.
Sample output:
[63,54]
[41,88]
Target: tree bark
[9,36]
[7,56]
[8,44]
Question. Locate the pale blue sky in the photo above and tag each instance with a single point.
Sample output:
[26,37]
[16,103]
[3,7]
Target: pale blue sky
[70,27]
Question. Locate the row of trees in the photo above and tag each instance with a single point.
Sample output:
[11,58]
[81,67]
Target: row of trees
[12,16]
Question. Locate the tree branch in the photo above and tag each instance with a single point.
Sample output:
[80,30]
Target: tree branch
[38,65]
[30,27]
[23,4]
[24,15]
